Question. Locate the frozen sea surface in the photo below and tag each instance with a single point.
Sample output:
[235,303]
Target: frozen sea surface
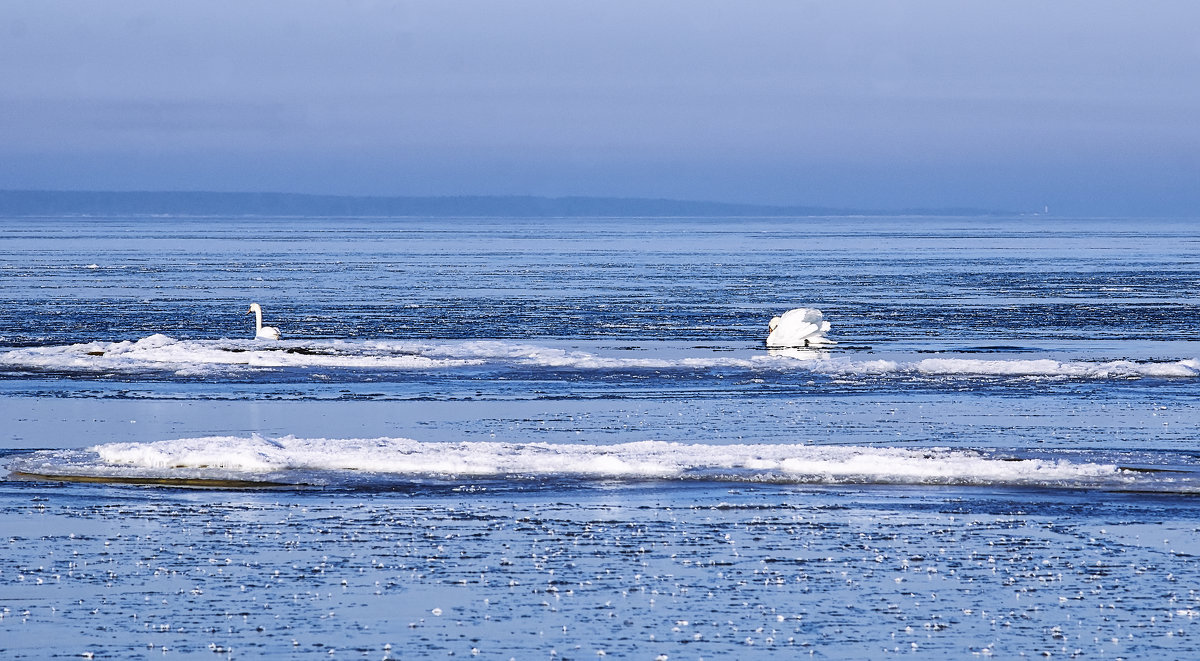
[565,439]
[558,569]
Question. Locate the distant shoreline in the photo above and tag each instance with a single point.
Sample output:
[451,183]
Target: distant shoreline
[22,203]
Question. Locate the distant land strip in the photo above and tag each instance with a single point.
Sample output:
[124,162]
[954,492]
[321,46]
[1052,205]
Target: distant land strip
[18,203]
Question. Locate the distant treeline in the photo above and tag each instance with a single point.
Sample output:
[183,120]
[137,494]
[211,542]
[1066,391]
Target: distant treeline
[136,203]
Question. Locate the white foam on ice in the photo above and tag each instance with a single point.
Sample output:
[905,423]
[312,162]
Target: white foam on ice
[198,357]
[234,457]
[1044,367]
[160,352]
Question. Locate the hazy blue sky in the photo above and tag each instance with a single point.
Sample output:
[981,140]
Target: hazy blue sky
[1088,106]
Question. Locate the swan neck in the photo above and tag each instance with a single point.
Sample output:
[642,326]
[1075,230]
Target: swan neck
[257,319]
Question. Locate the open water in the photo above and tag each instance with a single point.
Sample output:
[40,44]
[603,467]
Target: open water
[566,439]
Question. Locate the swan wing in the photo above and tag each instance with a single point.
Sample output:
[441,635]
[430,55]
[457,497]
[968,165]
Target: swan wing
[794,327]
[791,335]
[803,329]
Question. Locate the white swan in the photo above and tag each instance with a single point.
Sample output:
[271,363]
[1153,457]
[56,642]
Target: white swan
[802,327]
[262,332]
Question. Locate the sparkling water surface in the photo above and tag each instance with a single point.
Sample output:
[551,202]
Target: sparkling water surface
[564,438]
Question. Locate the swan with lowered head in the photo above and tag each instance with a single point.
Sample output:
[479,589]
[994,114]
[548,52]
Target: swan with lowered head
[262,332]
[802,327]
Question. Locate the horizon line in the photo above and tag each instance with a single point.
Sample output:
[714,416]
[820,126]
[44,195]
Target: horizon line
[40,202]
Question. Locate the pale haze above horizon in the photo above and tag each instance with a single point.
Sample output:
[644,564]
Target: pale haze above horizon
[1088,107]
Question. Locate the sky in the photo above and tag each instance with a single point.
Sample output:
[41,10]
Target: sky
[1084,106]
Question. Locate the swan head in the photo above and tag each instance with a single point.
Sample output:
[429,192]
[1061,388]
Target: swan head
[254,307]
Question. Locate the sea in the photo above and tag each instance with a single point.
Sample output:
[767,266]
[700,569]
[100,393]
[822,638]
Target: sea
[566,438]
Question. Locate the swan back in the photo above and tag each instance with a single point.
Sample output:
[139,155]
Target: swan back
[800,327]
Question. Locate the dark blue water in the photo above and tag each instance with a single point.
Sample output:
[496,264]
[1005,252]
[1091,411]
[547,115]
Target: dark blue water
[568,439]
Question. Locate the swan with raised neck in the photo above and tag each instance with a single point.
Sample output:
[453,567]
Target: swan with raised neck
[262,332]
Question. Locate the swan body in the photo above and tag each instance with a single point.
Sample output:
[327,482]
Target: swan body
[802,327]
[262,332]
